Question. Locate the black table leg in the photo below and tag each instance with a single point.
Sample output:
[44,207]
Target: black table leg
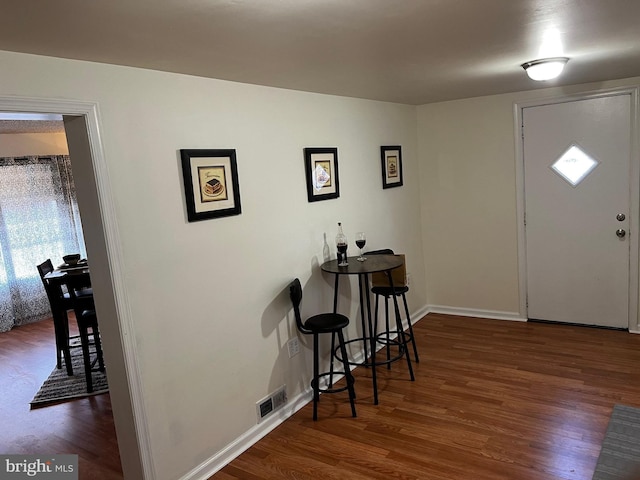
[61,331]
[372,337]
[362,318]
[335,294]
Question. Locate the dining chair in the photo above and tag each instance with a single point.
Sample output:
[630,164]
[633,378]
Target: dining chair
[315,325]
[87,321]
[381,287]
[60,303]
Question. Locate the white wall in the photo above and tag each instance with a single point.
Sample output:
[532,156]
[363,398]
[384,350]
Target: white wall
[467,157]
[23,144]
[207,301]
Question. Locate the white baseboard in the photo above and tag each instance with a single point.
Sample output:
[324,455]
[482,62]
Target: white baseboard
[469,312]
[209,467]
[417,315]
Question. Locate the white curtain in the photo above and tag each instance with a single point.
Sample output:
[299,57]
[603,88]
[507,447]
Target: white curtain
[39,219]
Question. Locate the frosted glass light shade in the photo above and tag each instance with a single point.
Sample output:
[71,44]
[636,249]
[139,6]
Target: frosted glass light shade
[545,68]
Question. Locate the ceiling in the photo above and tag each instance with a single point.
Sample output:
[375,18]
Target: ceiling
[405,51]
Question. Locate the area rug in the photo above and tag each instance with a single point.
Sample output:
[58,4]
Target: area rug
[620,453]
[60,387]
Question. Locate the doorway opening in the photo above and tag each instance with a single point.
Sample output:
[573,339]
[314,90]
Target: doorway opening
[97,207]
[40,219]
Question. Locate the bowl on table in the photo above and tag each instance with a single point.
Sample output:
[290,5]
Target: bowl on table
[72,259]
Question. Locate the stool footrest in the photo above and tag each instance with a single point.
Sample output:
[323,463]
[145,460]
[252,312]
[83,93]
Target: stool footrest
[367,363]
[348,378]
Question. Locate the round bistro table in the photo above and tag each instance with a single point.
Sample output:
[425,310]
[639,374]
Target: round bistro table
[373,264]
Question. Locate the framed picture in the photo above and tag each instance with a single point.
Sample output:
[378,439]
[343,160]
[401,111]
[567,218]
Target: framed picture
[321,166]
[391,166]
[210,183]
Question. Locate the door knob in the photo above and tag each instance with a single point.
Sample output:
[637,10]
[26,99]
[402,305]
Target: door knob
[620,217]
[621,233]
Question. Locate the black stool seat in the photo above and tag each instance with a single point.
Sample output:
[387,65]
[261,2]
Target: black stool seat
[388,291]
[332,323]
[326,322]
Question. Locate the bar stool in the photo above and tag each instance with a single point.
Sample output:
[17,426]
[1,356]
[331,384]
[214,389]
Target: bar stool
[332,323]
[381,287]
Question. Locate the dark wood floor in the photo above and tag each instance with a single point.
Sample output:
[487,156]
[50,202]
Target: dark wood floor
[83,426]
[492,400]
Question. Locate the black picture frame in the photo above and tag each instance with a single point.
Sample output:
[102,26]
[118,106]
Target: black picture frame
[211,185]
[321,167]
[391,156]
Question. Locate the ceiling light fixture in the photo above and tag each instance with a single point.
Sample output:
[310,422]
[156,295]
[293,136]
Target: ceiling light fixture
[545,68]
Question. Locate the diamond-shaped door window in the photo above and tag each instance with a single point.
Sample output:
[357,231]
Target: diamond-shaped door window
[574,165]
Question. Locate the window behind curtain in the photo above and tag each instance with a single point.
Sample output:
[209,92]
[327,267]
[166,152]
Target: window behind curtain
[38,220]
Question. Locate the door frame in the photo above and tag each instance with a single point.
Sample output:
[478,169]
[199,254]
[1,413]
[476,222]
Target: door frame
[634,193]
[127,399]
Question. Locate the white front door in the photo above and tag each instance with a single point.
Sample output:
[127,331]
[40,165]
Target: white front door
[577,210]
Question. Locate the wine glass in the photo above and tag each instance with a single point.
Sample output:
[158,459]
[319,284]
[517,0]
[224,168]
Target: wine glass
[361,240]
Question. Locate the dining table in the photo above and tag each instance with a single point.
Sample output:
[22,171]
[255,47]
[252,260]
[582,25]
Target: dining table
[372,264]
[61,271]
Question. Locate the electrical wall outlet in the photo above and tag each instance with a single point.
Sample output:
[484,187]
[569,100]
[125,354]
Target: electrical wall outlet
[271,403]
[408,279]
[293,345]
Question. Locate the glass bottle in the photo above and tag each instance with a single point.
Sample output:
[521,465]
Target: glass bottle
[341,244]
[326,254]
